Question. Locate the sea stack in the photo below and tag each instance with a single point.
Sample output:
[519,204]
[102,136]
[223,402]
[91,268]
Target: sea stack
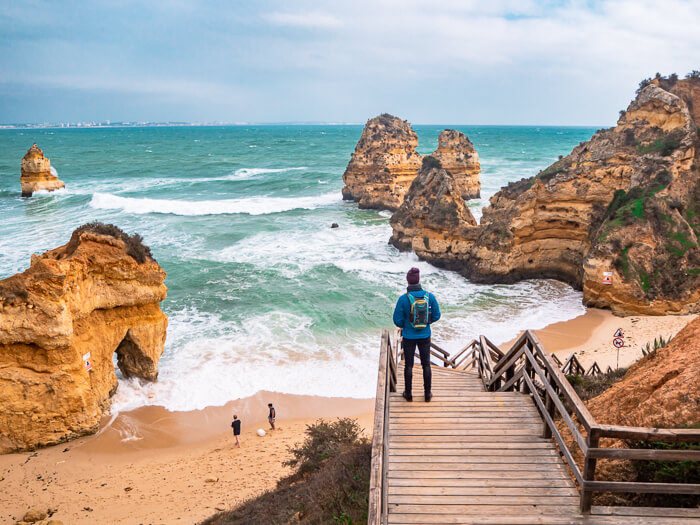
[619,217]
[36,173]
[434,221]
[61,322]
[457,155]
[384,164]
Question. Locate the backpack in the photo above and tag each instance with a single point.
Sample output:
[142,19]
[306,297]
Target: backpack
[419,317]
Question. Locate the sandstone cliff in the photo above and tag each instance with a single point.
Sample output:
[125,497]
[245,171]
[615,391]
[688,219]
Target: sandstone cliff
[36,173]
[433,220]
[625,202]
[384,164]
[457,155]
[70,311]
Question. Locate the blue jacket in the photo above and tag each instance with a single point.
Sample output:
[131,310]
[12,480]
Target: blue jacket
[403,310]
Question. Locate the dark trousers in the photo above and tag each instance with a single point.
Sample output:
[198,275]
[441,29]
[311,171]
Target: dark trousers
[409,350]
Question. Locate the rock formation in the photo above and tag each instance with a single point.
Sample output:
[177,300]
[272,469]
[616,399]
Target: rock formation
[457,155]
[62,320]
[626,202]
[36,173]
[433,219]
[384,164]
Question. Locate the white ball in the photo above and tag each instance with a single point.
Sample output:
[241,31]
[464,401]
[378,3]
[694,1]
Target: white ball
[261,432]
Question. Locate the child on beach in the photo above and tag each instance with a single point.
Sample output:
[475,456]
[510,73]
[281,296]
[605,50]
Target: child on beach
[271,415]
[236,426]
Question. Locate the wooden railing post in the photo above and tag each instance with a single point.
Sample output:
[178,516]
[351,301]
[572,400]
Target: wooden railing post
[549,403]
[589,464]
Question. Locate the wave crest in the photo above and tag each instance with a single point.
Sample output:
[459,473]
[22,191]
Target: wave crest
[249,206]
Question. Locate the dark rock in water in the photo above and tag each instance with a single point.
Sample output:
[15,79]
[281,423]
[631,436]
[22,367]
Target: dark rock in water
[334,225]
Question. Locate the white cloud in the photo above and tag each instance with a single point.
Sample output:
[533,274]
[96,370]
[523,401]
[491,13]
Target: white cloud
[307,20]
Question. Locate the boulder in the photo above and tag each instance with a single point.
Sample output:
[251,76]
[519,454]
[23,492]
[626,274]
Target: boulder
[61,322]
[36,173]
[433,220]
[384,164]
[457,155]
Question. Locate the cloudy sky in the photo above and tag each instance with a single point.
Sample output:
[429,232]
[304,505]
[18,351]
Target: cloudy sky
[447,62]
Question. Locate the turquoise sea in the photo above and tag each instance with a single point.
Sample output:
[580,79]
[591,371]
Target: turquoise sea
[263,294]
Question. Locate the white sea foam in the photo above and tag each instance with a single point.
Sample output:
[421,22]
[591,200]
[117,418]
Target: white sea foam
[275,351]
[250,205]
[53,171]
[252,172]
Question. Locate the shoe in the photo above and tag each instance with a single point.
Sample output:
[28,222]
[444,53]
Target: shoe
[407,396]
[428,396]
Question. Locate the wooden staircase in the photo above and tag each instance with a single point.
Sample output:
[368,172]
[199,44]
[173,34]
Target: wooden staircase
[485,450]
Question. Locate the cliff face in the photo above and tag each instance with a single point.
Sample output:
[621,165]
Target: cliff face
[457,155]
[36,173]
[625,202]
[384,164]
[433,220]
[61,321]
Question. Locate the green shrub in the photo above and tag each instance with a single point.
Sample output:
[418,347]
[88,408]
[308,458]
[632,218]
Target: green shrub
[588,387]
[134,243]
[323,440]
[430,162]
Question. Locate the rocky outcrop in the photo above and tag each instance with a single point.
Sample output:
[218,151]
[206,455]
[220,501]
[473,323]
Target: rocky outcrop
[457,155]
[433,220]
[384,164]
[61,322]
[626,202]
[36,173]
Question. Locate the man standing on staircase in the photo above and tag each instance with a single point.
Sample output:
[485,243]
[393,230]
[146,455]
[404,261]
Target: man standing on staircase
[414,312]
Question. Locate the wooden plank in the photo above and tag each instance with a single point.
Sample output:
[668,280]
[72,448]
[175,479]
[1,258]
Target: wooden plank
[469,453]
[480,491]
[669,435]
[653,454]
[638,487]
[522,518]
[472,466]
[453,430]
[495,482]
[466,445]
[475,460]
[488,475]
[490,505]
[436,419]
[665,512]
[465,500]
[474,439]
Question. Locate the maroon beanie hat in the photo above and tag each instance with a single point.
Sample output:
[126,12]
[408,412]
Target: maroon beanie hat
[413,276]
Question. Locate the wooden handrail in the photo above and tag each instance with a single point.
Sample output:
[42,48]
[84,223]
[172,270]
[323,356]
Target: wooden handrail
[543,377]
[378,483]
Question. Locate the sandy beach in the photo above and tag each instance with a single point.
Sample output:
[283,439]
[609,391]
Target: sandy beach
[590,336]
[152,466]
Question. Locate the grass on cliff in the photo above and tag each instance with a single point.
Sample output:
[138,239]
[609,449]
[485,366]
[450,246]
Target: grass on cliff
[588,387]
[134,243]
[330,485]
